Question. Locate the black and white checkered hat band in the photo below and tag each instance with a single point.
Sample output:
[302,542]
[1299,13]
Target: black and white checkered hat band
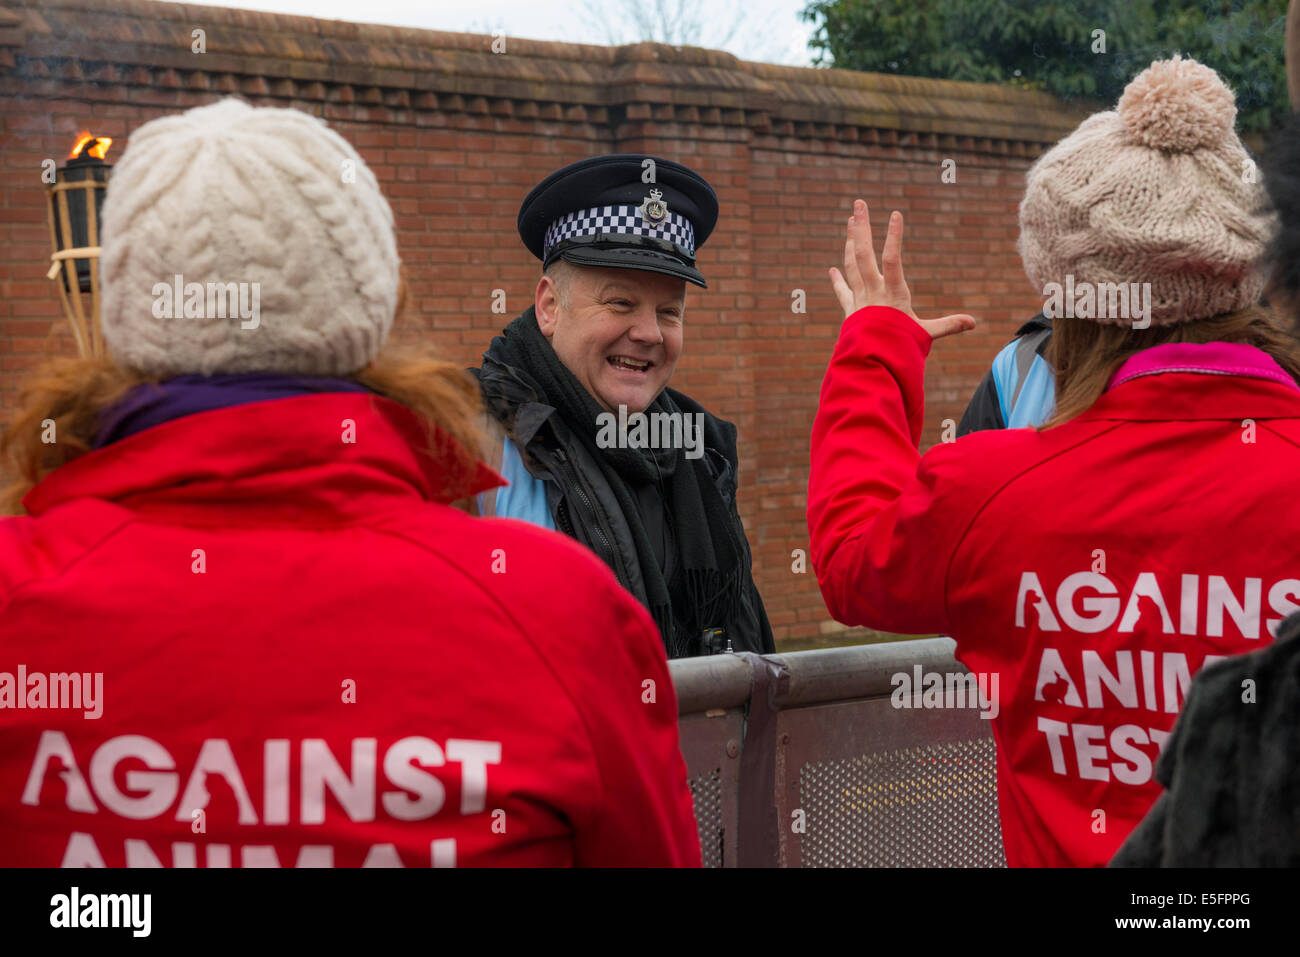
[620,221]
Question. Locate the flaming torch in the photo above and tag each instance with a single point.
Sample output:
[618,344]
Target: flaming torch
[76,199]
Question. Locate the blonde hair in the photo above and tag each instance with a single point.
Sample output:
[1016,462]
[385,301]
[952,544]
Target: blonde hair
[1086,354]
[72,393]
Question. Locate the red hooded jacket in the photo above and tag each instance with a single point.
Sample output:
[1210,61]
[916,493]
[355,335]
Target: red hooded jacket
[304,659]
[1090,569]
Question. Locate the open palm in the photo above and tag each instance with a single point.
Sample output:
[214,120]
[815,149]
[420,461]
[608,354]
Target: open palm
[863,284]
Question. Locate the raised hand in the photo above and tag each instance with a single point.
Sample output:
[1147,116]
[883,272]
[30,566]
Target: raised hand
[863,284]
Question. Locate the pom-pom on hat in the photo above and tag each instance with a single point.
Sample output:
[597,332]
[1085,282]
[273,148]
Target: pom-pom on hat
[1160,191]
[234,200]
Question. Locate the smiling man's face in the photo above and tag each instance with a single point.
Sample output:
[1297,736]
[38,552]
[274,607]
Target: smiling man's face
[619,331]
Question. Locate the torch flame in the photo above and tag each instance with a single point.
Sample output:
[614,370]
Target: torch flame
[98,146]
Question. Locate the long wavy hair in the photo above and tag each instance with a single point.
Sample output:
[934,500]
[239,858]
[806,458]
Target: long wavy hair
[1085,354]
[65,397]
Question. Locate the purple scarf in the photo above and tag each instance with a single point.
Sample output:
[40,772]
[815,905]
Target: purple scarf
[153,403]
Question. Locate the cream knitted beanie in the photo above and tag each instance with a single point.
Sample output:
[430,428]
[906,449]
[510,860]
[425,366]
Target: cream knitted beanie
[238,239]
[1160,191]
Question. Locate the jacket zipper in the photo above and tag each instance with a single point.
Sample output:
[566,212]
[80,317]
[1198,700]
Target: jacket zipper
[562,519]
[597,532]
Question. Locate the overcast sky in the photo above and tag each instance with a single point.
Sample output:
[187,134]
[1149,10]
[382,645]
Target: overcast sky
[766,30]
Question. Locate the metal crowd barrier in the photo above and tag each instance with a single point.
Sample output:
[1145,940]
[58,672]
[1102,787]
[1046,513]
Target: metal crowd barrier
[801,760]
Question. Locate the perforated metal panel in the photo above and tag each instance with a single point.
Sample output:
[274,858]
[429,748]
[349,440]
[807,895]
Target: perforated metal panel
[706,793]
[835,772]
[927,806]
[711,746]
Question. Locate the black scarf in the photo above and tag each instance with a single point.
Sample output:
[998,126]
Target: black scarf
[709,573]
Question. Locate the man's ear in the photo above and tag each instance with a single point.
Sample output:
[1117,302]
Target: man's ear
[546,304]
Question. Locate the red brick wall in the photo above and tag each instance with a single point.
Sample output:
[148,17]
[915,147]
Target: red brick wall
[457,135]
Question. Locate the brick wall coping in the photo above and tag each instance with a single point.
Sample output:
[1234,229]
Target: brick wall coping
[142,43]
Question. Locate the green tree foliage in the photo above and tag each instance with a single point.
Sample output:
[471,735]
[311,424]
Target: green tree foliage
[1048,45]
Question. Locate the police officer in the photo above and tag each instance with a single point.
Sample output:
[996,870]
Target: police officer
[617,238]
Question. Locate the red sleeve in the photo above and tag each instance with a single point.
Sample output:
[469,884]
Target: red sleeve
[882,533]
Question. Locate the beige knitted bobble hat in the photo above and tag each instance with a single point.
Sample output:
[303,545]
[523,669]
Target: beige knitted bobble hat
[1160,191]
[273,209]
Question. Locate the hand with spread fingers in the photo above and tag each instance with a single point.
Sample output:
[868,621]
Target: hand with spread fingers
[863,284]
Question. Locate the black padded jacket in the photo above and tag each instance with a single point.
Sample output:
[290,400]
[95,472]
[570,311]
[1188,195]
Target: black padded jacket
[585,508]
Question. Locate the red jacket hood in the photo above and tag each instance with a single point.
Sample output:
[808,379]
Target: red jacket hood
[252,457]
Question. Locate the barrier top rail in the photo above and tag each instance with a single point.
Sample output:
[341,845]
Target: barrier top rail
[804,677]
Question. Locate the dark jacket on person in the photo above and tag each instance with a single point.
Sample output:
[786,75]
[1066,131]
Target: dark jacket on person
[1231,768]
[583,505]
[1019,389]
